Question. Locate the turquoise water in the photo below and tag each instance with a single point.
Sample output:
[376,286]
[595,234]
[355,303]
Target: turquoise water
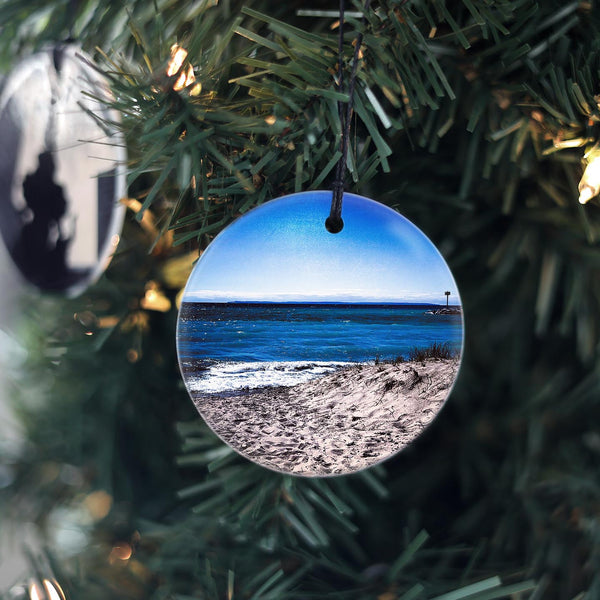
[229,346]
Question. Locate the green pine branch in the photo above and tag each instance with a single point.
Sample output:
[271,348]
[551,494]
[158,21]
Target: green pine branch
[499,102]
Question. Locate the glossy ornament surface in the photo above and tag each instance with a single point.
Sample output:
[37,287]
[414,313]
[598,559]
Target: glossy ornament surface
[314,353]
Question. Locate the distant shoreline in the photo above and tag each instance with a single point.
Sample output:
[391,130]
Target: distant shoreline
[337,423]
[316,303]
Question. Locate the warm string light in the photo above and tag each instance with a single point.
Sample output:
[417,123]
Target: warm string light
[98,504]
[186,76]
[120,553]
[53,590]
[154,299]
[149,225]
[589,186]
[35,593]
[49,590]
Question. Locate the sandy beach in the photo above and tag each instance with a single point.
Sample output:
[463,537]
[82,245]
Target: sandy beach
[339,423]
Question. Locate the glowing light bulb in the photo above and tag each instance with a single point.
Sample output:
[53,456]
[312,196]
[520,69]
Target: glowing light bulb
[154,299]
[34,592]
[178,55]
[589,186]
[53,590]
[121,552]
[186,76]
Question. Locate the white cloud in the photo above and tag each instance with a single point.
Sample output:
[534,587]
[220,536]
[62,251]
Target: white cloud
[329,296]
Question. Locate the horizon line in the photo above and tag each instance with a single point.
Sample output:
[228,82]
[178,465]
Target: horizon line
[217,296]
[382,301]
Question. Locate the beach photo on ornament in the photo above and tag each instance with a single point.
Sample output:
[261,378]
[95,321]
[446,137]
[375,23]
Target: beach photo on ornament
[320,354]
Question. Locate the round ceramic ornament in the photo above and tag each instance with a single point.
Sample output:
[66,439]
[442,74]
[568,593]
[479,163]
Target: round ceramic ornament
[314,353]
[61,170]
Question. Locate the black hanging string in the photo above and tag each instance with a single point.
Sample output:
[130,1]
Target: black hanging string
[334,222]
[72,11]
[58,56]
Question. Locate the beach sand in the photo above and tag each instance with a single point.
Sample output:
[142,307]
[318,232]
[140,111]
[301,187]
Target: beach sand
[339,423]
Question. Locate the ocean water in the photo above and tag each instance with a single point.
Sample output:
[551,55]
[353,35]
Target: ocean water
[226,347]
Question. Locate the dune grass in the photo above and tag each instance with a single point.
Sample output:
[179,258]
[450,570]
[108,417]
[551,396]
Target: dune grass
[436,350]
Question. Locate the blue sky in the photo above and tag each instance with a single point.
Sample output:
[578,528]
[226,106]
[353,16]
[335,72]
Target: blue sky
[281,251]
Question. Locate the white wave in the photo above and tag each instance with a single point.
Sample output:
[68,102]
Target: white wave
[230,377]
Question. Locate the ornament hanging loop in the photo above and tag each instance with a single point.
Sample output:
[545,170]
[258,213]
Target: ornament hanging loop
[334,223]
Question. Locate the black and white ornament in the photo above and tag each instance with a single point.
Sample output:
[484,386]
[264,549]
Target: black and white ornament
[62,170]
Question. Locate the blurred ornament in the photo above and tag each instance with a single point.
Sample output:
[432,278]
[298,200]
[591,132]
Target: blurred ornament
[61,170]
